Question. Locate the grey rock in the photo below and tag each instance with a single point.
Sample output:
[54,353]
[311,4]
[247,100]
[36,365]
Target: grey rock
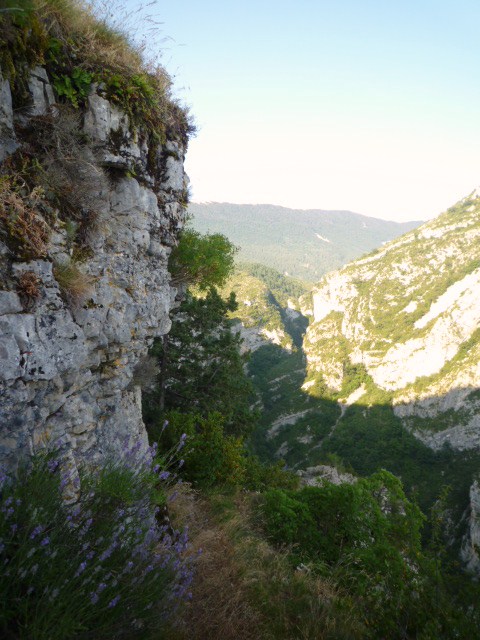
[470,551]
[8,143]
[115,143]
[66,367]
[41,91]
[9,303]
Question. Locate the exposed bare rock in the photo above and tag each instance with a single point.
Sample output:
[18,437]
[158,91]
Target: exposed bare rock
[66,362]
[317,476]
[471,543]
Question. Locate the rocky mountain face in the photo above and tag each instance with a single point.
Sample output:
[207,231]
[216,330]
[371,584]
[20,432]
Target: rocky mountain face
[267,307]
[408,317]
[400,328]
[74,328]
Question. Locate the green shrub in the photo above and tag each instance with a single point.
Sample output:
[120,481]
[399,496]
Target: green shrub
[367,534]
[209,457]
[260,476]
[98,568]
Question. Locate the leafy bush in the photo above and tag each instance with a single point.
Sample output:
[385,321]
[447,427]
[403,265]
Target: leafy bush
[202,260]
[260,476]
[202,369]
[99,568]
[368,533]
[209,456]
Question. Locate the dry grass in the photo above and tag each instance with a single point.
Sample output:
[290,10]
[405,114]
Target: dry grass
[220,608]
[22,227]
[96,44]
[75,285]
[28,287]
[246,590]
[100,37]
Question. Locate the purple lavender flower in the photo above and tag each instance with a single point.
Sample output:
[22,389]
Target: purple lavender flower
[81,568]
[37,531]
[52,465]
[94,598]
[181,463]
[101,587]
[182,441]
[108,552]
[164,475]
[45,541]
[113,602]
[3,476]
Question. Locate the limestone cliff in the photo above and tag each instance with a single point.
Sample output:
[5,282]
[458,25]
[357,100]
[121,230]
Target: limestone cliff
[406,319]
[76,318]
[401,326]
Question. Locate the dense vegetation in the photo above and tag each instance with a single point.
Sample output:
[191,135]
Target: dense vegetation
[100,567]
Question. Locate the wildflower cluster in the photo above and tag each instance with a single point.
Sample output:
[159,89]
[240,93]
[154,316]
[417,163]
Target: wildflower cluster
[103,565]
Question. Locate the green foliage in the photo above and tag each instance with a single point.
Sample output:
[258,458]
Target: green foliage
[286,239]
[92,569]
[22,43]
[74,88]
[202,260]
[202,369]
[282,287]
[367,536]
[260,476]
[333,520]
[210,456]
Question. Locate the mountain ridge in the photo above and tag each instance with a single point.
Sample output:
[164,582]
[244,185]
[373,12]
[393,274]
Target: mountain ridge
[302,243]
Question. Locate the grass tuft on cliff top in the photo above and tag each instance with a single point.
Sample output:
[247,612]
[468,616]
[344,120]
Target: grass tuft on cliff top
[79,45]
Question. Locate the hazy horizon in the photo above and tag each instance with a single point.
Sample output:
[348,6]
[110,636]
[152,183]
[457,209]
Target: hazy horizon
[320,209]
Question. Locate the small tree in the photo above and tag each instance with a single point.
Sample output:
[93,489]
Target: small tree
[201,368]
[202,260]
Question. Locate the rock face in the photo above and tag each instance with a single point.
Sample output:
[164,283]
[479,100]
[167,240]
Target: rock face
[404,324]
[470,552]
[319,475]
[67,363]
[407,319]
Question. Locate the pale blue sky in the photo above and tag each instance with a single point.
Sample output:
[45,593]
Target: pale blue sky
[372,106]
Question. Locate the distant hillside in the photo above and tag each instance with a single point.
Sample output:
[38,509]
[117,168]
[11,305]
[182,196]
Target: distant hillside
[389,376]
[304,244]
[267,306]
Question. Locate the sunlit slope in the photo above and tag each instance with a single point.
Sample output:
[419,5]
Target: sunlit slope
[304,244]
[401,327]
[267,307]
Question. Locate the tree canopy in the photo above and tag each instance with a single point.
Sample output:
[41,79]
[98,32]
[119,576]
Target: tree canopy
[203,260]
